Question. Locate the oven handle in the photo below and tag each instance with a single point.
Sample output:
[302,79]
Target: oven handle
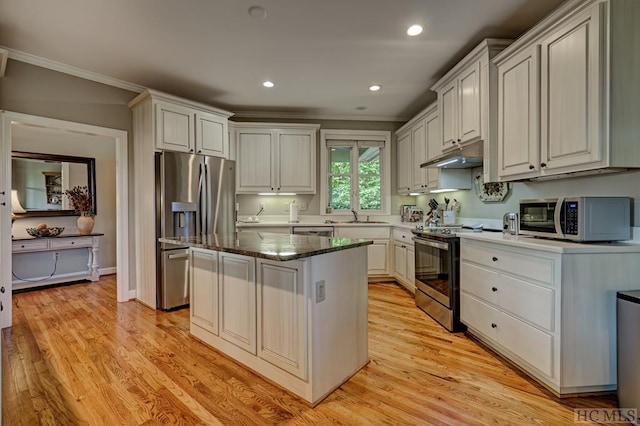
[430,243]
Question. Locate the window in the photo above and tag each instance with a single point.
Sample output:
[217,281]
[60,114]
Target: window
[355,171]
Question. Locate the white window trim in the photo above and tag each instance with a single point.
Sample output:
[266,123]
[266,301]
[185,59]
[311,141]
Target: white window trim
[385,165]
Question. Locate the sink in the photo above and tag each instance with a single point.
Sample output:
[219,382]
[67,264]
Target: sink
[364,221]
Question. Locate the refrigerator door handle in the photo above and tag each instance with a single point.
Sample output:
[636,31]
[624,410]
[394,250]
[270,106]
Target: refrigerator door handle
[201,200]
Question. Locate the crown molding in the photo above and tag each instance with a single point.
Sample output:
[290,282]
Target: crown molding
[314,116]
[71,70]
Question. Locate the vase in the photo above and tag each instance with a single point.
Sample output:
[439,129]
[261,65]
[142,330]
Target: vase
[85,224]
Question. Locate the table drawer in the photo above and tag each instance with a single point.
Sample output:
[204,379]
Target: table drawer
[29,245]
[526,265]
[68,243]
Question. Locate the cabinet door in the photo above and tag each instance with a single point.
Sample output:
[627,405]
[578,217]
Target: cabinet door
[403,162]
[238,300]
[174,128]
[434,147]
[204,289]
[212,135]
[377,258]
[448,111]
[518,114]
[255,166]
[399,261]
[282,317]
[296,165]
[469,104]
[411,269]
[571,90]
[418,155]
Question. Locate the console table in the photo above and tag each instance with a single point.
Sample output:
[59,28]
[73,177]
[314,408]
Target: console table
[22,247]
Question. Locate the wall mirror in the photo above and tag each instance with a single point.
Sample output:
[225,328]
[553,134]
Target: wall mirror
[39,181]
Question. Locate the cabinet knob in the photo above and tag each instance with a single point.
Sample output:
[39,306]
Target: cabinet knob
[2,290]
[453,142]
[531,167]
[1,307]
[199,151]
[73,242]
[3,203]
[494,325]
[494,289]
[495,259]
[272,188]
[2,193]
[191,150]
[403,236]
[408,189]
[22,246]
[278,188]
[543,164]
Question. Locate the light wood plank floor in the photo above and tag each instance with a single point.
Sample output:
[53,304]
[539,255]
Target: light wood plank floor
[75,356]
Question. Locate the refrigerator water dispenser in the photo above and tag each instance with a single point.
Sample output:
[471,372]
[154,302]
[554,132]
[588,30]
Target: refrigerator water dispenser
[184,219]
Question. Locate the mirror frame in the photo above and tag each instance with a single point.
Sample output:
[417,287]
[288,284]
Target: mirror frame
[91,181]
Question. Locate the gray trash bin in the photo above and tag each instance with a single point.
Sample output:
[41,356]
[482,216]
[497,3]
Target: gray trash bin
[628,303]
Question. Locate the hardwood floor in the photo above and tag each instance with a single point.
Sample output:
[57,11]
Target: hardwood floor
[75,356]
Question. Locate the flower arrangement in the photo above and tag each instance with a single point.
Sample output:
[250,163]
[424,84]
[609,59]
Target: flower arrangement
[81,200]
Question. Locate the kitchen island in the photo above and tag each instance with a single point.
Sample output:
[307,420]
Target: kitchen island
[292,308]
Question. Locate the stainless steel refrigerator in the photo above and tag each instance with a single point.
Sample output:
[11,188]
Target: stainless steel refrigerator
[195,194]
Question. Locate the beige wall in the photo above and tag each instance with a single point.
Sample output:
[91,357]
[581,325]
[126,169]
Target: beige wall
[33,90]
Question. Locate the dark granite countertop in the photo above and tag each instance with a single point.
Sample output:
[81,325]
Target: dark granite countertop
[268,245]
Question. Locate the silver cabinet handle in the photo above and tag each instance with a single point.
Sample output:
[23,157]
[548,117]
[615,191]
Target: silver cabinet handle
[178,256]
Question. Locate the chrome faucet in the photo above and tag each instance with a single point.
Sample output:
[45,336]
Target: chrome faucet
[355,215]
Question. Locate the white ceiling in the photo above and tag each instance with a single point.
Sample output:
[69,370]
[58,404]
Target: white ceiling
[321,54]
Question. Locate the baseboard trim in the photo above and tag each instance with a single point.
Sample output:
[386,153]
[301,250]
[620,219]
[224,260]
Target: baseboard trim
[108,271]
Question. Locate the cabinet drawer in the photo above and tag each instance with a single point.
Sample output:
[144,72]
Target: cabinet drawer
[402,235]
[32,245]
[528,343]
[525,265]
[373,232]
[66,243]
[532,345]
[532,303]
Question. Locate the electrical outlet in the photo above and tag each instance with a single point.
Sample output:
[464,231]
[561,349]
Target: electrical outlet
[303,206]
[320,291]
[56,255]
[286,207]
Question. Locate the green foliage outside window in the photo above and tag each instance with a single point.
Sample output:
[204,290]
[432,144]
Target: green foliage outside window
[368,179]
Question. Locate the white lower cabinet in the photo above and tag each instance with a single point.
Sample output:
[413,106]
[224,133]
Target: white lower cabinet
[281,311]
[301,324]
[404,259]
[204,289]
[550,311]
[238,300]
[378,252]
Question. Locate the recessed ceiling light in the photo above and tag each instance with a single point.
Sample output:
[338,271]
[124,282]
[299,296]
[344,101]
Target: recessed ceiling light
[375,87]
[257,12]
[268,84]
[414,30]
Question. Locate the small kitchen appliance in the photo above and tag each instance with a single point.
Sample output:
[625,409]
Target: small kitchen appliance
[577,218]
[511,223]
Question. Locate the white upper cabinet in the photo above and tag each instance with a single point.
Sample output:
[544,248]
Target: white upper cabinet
[403,162]
[276,158]
[417,142]
[560,109]
[518,114]
[185,126]
[467,100]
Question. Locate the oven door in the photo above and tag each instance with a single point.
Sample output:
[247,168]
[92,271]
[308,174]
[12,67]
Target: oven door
[433,269]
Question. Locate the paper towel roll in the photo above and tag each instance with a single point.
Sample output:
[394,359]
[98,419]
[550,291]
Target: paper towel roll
[293,212]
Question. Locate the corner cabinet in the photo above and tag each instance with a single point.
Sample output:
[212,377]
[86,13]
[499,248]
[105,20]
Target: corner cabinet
[275,157]
[560,109]
[550,311]
[417,142]
[165,122]
[467,97]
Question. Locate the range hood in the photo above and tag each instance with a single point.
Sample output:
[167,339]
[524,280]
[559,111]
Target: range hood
[463,158]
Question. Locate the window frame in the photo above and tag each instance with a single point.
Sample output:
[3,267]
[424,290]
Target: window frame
[353,136]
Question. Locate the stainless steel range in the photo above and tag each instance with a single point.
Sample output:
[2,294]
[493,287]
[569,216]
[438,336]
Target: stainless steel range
[437,276]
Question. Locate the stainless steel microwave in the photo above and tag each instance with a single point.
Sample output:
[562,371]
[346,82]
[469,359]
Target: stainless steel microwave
[577,218]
